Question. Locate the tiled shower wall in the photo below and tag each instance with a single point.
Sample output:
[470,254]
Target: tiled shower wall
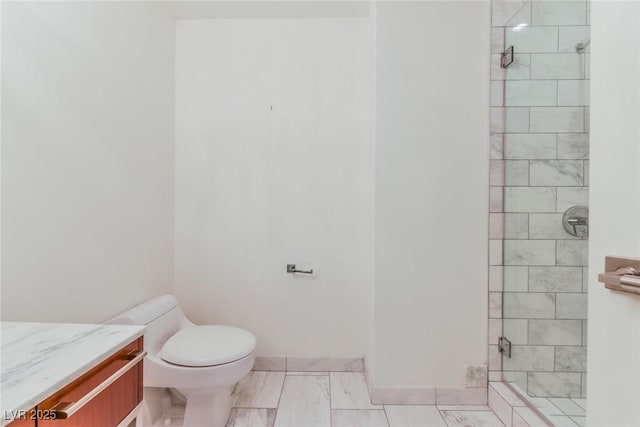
[539,168]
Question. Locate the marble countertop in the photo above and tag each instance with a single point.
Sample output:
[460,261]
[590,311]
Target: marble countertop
[37,359]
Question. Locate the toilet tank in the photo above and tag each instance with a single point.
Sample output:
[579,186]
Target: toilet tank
[162,317]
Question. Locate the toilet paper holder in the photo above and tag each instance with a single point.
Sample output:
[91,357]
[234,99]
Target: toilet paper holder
[291,268]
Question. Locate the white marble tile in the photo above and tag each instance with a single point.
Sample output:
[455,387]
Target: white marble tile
[557,66]
[532,39]
[557,119]
[414,416]
[562,421]
[259,389]
[358,418]
[516,330]
[495,252]
[529,306]
[559,13]
[241,417]
[529,252]
[495,358]
[520,69]
[509,119]
[572,252]
[40,358]
[461,396]
[545,406]
[530,199]
[497,73]
[573,146]
[403,395]
[555,332]
[497,39]
[270,363]
[349,391]
[496,199]
[569,36]
[496,226]
[518,379]
[496,278]
[334,364]
[563,384]
[308,373]
[581,421]
[500,407]
[530,146]
[464,408]
[475,375]
[495,305]
[581,403]
[585,279]
[583,389]
[516,278]
[497,146]
[494,376]
[510,12]
[305,402]
[567,406]
[571,359]
[556,172]
[495,332]
[530,358]
[587,118]
[516,172]
[471,419]
[496,172]
[529,93]
[584,331]
[526,417]
[547,226]
[573,92]
[572,196]
[586,172]
[555,279]
[497,93]
[516,226]
[571,306]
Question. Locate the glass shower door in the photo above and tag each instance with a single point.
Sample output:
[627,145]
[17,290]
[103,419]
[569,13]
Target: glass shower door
[544,177]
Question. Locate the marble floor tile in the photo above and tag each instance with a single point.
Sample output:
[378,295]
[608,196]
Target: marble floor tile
[325,364]
[242,417]
[259,389]
[581,402]
[413,416]
[581,421]
[349,391]
[562,421]
[358,418]
[308,373]
[305,402]
[471,419]
[545,406]
[464,408]
[568,406]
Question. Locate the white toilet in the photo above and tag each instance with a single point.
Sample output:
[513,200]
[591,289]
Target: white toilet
[203,363]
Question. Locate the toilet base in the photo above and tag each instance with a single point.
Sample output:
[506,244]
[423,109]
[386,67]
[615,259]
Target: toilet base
[206,407]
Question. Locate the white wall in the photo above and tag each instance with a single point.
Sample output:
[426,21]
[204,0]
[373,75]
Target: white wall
[87,166]
[613,387]
[274,166]
[431,196]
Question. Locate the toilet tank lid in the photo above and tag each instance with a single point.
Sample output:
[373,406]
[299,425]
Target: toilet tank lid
[208,345]
[147,312]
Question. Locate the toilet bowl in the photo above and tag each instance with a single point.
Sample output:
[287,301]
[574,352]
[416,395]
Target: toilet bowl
[203,363]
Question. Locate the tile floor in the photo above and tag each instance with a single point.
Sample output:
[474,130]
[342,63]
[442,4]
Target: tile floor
[334,399]
[563,412]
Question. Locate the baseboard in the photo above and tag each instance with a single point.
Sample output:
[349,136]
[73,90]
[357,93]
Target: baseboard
[309,364]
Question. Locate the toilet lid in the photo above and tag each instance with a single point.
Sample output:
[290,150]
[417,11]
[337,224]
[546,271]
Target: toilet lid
[208,345]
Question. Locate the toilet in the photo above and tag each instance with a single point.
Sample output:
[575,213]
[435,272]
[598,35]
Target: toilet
[203,363]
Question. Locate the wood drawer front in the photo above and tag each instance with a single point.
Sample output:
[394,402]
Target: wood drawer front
[111,405]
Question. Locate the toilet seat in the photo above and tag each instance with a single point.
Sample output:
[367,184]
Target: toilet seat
[208,345]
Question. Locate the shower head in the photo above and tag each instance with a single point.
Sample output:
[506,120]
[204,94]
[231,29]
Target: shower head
[581,46]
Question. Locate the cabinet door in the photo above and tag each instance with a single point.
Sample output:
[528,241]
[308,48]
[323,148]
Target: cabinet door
[111,405]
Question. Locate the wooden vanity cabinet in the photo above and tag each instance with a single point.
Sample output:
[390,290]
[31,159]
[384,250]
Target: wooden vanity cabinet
[109,407]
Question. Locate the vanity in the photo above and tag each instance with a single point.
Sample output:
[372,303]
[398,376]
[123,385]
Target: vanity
[70,375]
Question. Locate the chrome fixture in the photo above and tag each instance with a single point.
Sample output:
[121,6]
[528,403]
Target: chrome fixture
[581,46]
[291,268]
[576,221]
